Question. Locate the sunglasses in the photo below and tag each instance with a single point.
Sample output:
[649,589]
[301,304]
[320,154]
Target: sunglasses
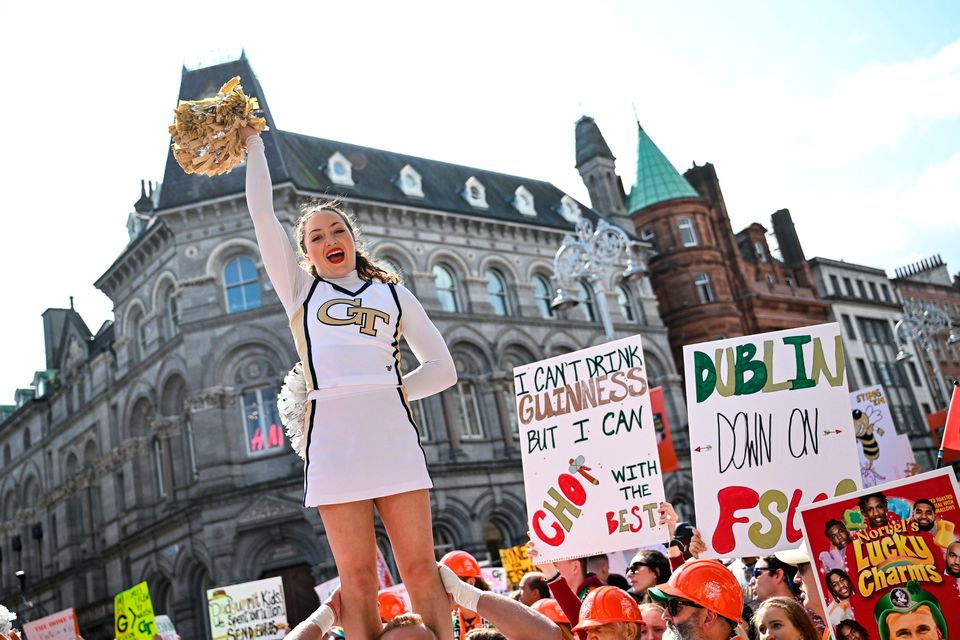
[758,570]
[635,568]
[672,605]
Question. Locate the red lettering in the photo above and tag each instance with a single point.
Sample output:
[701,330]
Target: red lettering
[612,524]
[276,436]
[731,500]
[256,442]
[558,534]
[635,510]
[793,534]
[572,488]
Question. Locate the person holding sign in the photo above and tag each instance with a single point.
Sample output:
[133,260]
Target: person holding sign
[361,446]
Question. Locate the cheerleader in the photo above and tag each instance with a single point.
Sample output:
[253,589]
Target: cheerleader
[361,448]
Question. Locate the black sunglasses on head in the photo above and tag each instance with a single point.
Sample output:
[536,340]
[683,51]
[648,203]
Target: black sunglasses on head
[635,567]
[672,605]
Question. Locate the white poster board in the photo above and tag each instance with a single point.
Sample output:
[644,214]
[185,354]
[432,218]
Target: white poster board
[248,610]
[165,628]
[770,430]
[61,625]
[325,589]
[590,463]
[884,454]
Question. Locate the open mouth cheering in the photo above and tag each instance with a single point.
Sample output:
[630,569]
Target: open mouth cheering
[335,256]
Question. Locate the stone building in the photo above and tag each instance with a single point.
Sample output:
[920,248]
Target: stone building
[863,300]
[150,449]
[928,282]
[711,282]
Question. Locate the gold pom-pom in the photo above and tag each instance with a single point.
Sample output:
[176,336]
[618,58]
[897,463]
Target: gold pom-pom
[206,133]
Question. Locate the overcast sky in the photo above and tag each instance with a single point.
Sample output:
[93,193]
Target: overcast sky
[847,113]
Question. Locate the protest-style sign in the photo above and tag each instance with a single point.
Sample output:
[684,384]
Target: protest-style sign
[133,614]
[668,456]
[591,471]
[62,625]
[770,430]
[882,455]
[248,610]
[325,589]
[165,628]
[496,579]
[888,558]
[516,563]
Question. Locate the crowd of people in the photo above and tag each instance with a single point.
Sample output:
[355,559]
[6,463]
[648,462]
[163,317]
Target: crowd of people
[667,591]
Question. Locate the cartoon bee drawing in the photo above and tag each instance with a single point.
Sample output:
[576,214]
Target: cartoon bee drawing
[863,423]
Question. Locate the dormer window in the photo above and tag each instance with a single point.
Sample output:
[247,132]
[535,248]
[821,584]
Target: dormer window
[409,182]
[523,201]
[569,208]
[339,169]
[475,193]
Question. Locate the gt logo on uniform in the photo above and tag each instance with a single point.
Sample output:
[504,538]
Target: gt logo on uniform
[354,314]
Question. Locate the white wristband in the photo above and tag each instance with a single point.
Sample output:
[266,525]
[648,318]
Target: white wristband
[465,595]
[323,617]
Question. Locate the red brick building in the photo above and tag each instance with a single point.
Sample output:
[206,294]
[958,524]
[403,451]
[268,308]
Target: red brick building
[929,282]
[709,281]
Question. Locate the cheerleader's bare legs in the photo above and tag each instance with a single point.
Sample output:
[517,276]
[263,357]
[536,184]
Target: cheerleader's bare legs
[352,539]
[407,519]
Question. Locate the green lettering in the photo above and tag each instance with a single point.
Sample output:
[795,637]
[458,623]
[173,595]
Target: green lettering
[705,375]
[745,363]
[801,381]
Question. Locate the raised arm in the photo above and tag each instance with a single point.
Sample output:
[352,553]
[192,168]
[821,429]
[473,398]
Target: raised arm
[436,371]
[278,255]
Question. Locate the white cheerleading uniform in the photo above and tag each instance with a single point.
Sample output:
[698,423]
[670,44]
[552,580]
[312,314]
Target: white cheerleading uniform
[362,441]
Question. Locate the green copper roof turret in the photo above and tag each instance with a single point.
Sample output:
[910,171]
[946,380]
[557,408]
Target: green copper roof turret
[657,180]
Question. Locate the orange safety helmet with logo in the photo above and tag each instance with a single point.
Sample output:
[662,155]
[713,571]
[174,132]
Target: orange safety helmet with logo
[462,564]
[550,608]
[391,605]
[706,583]
[606,605]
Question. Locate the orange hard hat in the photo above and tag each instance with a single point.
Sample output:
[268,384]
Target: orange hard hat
[391,605]
[707,583]
[607,605]
[463,564]
[551,609]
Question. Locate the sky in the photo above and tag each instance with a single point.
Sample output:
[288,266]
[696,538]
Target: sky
[846,113]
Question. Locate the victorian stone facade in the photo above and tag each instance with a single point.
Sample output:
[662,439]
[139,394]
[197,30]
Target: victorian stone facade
[148,450]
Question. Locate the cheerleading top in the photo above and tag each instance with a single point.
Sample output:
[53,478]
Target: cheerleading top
[346,330]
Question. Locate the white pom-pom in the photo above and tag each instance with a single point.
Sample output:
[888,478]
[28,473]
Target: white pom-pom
[292,403]
[6,619]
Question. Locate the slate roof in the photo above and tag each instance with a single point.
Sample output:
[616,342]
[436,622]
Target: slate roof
[301,159]
[657,179]
[590,143]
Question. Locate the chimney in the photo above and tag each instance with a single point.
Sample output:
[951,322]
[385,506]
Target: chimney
[787,238]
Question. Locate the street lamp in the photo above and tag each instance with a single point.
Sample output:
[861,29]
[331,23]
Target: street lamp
[590,256]
[921,323]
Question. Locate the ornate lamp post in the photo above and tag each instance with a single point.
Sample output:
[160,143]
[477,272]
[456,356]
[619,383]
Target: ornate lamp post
[590,256]
[921,323]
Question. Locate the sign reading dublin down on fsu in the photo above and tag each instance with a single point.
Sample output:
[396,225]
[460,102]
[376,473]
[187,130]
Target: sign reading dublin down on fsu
[770,430]
[591,471]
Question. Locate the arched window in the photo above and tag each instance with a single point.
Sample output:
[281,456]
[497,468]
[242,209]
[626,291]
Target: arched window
[468,410]
[173,315]
[264,433]
[626,303]
[541,291]
[446,288]
[586,301]
[242,284]
[391,265]
[497,293]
